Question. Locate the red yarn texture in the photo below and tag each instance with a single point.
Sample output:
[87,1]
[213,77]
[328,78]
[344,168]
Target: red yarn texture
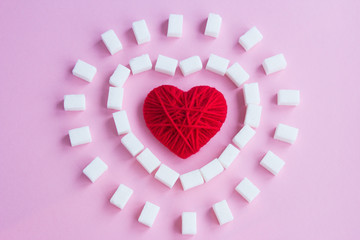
[184,121]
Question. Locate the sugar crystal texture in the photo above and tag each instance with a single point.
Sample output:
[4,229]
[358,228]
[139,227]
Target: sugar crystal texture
[149,214]
[111,41]
[79,136]
[211,170]
[243,136]
[247,190]
[272,163]
[132,144]
[167,175]
[250,38]
[141,32]
[74,102]
[115,98]
[148,160]
[121,122]
[213,25]
[191,179]
[251,93]
[175,25]
[121,196]
[223,212]
[237,74]
[228,155]
[288,97]
[84,71]
[188,223]
[190,65]
[286,133]
[217,64]
[95,169]
[253,115]
[120,75]
[166,65]
[140,64]
[274,64]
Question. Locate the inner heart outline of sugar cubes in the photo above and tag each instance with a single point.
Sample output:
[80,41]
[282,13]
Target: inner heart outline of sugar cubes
[166,65]
[191,65]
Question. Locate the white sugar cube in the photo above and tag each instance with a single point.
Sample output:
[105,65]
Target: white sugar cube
[111,41]
[148,160]
[141,32]
[115,98]
[253,115]
[190,65]
[272,163]
[250,38]
[247,190]
[166,65]
[286,133]
[243,136]
[121,122]
[149,214]
[213,25]
[228,155]
[132,144]
[211,170]
[288,97]
[74,102]
[223,212]
[175,25]
[95,169]
[217,64]
[121,196]
[140,64]
[251,93]
[188,222]
[80,136]
[120,75]
[274,64]
[84,70]
[191,179]
[237,74]
[166,175]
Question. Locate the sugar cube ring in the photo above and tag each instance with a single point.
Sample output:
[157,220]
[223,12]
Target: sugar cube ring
[166,65]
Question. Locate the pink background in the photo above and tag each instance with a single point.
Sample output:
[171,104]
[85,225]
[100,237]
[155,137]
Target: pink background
[43,194]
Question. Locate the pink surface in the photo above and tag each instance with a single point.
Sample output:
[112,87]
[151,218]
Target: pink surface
[43,193]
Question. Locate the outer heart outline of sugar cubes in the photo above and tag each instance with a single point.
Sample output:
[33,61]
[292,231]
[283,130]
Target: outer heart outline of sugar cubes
[166,65]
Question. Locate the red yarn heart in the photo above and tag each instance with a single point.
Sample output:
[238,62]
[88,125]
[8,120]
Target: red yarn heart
[184,121]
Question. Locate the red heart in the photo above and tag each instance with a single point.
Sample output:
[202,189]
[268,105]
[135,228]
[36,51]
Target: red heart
[184,121]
